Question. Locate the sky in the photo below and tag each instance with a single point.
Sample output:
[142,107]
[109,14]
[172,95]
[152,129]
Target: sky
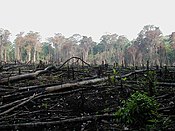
[86,17]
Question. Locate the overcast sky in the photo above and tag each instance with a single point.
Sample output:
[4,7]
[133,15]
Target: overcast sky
[86,17]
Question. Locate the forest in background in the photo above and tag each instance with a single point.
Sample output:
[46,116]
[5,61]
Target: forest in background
[150,45]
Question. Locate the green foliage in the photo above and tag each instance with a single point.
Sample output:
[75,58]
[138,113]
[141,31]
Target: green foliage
[124,79]
[98,48]
[112,78]
[115,73]
[45,48]
[138,110]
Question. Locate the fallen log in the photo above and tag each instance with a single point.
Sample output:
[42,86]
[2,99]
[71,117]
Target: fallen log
[170,108]
[157,83]
[68,85]
[12,67]
[165,84]
[12,103]
[86,82]
[25,76]
[16,106]
[77,119]
[35,74]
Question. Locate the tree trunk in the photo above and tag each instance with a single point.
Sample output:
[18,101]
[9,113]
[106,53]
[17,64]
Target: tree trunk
[86,82]
[18,53]
[34,55]
[5,55]
[0,52]
[56,54]
[29,56]
[26,76]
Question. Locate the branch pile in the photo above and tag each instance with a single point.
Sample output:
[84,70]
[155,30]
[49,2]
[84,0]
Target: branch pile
[86,104]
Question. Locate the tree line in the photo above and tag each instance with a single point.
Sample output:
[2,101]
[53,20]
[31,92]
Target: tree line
[150,45]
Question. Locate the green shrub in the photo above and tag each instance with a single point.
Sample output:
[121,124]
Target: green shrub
[138,110]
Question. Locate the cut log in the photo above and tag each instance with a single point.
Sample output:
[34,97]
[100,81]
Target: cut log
[35,74]
[12,67]
[16,106]
[77,119]
[157,83]
[68,85]
[26,76]
[86,82]
[12,103]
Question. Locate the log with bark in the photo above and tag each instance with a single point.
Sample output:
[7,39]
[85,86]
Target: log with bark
[77,119]
[26,76]
[87,82]
[35,74]
[16,106]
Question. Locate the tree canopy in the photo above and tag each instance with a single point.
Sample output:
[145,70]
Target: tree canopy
[150,45]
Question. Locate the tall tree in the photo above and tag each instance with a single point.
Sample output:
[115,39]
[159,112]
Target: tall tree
[19,41]
[57,41]
[148,41]
[132,50]
[120,46]
[86,44]
[31,40]
[4,41]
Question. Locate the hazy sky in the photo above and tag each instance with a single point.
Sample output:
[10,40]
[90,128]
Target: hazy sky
[86,17]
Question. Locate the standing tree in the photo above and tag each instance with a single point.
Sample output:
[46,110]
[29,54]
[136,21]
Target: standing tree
[86,44]
[57,42]
[4,42]
[31,40]
[120,46]
[132,50]
[148,41]
[19,41]
[37,51]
